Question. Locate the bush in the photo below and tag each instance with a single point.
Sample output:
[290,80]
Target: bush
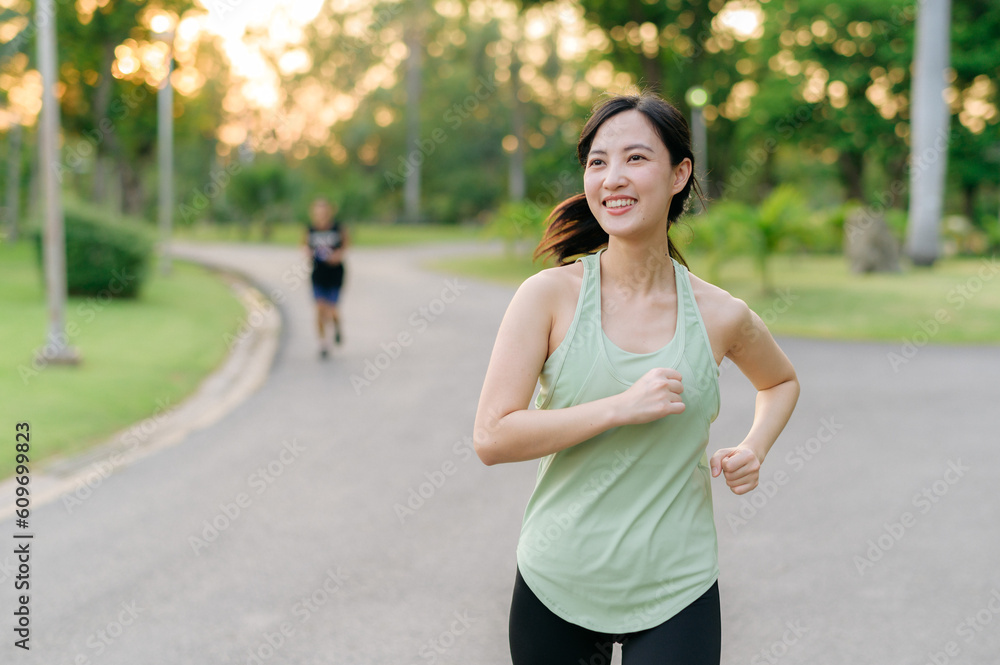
[824,229]
[718,233]
[992,234]
[518,223]
[104,257]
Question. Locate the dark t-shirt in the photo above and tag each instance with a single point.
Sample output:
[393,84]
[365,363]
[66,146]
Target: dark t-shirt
[322,242]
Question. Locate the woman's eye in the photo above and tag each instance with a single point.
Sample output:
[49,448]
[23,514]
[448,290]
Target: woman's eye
[595,162]
[635,157]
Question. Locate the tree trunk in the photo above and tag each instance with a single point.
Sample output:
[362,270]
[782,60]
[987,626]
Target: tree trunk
[516,182]
[651,73]
[133,197]
[969,191]
[851,168]
[414,71]
[33,204]
[105,143]
[12,199]
[897,173]
[929,122]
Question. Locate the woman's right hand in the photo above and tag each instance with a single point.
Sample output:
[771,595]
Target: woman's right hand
[655,395]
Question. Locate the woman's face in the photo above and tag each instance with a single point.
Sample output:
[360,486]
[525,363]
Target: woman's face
[628,179]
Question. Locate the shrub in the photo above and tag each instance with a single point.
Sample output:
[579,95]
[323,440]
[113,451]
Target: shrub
[781,223]
[104,256]
[718,233]
[518,223]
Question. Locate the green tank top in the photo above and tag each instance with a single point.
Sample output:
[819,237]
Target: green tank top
[618,535]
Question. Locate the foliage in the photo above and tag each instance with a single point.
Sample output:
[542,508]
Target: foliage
[671,46]
[781,223]
[718,234]
[974,156]
[519,224]
[262,192]
[834,79]
[106,256]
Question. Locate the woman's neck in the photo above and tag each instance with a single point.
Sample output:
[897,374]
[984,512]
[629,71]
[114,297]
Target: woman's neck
[638,267]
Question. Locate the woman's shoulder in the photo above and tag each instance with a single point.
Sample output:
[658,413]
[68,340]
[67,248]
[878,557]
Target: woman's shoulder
[553,287]
[553,281]
[718,307]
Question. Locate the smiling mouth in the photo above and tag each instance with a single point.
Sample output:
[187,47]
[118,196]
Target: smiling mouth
[619,203]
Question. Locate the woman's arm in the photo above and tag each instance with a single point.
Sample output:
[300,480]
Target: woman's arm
[507,431]
[758,356]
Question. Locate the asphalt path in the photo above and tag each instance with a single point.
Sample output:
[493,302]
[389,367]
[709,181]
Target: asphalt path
[339,515]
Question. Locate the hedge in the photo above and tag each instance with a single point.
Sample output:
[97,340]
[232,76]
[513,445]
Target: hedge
[105,256]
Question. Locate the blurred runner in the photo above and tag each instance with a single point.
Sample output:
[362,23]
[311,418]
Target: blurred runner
[325,243]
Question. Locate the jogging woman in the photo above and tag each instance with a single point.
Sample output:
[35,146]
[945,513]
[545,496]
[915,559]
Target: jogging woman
[325,242]
[618,542]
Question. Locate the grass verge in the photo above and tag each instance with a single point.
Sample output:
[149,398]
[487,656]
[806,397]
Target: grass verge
[956,302]
[139,357]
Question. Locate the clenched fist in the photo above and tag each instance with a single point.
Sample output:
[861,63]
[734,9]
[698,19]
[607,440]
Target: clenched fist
[655,395]
[741,466]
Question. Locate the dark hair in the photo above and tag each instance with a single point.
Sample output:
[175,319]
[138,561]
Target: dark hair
[572,228]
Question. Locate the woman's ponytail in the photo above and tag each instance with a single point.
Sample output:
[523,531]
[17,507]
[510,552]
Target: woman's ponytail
[572,231]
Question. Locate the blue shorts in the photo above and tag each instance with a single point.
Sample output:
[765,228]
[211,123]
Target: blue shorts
[330,294]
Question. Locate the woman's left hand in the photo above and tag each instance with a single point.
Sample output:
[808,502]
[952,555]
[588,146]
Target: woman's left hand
[741,466]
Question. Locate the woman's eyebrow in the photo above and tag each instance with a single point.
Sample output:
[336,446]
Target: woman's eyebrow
[640,146]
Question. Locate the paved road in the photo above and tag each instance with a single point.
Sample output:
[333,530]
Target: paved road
[332,521]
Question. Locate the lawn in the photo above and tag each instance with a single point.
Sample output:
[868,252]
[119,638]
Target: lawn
[956,302]
[139,358]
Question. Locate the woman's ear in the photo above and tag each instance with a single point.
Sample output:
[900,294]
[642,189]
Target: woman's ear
[682,173]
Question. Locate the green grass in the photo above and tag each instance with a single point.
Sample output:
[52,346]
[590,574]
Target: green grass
[139,357]
[362,235]
[823,299]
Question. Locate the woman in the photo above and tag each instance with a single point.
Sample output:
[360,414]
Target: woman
[618,542]
[325,242]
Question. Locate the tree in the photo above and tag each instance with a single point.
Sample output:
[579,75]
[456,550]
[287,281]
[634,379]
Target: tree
[974,152]
[836,82]
[414,36]
[670,47]
[930,131]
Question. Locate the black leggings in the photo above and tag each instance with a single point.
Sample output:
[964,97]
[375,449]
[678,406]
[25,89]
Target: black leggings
[540,637]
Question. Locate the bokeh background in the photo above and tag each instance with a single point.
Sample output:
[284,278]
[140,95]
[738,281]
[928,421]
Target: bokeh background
[194,133]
